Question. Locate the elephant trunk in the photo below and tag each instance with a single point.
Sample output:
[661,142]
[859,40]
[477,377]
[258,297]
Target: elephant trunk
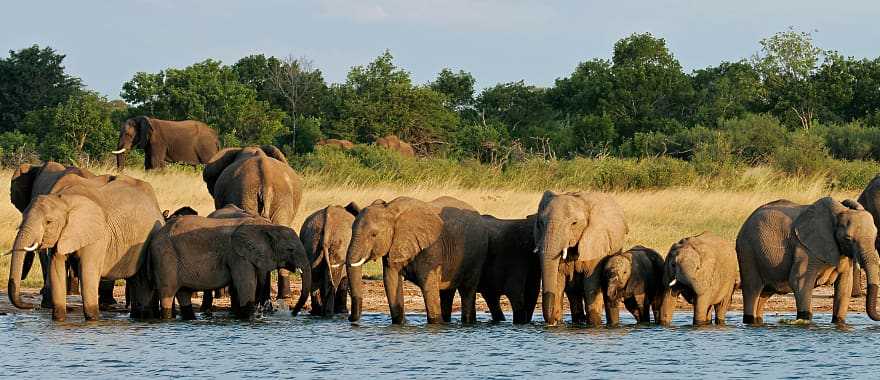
[24,245]
[355,285]
[871,263]
[302,262]
[120,160]
[551,296]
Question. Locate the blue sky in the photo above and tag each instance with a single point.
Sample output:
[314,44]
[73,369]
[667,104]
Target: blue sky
[106,42]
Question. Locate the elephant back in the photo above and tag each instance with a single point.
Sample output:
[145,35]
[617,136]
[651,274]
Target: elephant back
[870,199]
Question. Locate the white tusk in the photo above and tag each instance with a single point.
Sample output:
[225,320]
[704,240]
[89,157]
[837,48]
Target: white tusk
[359,263]
[298,270]
[336,265]
[33,247]
[564,253]
[119,151]
[535,250]
[673,282]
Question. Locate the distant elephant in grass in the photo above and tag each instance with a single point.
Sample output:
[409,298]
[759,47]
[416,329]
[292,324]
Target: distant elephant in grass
[394,143]
[436,245]
[574,232]
[512,268]
[325,235]
[788,247]
[104,226]
[197,253]
[188,141]
[636,278]
[260,181]
[704,269]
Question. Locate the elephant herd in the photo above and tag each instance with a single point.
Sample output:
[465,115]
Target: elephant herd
[102,228]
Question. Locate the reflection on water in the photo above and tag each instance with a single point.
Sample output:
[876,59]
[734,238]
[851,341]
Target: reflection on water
[277,346]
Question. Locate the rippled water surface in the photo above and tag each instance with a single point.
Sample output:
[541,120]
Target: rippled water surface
[278,346]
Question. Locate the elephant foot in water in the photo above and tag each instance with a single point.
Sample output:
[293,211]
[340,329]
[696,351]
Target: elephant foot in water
[187,313]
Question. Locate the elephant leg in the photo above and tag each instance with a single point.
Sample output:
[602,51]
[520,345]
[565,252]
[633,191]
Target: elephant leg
[494,303]
[245,286]
[73,284]
[46,291]
[701,311]
[394,293]
[431,294]
[446,298]
[166,304]
[856,279]
[59,287]
[469,305]
[751,291]
[576,304]
[89,277]
[105,294]
[843,288]
[721,310]
[339,306]
[762,300]
[612,313]
[207,302]
[184,299]
[283,284]
[803,280]
[593,298]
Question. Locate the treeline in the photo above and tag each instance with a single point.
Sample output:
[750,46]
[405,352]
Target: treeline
[792,105]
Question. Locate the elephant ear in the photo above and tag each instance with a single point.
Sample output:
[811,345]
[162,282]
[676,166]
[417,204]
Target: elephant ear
[217,164]
[254,244]
[814,228]
[353,208]
[545,199]
[85,225]
[22,186]
[145,131]
[605,231]
[415,229]
[274,152]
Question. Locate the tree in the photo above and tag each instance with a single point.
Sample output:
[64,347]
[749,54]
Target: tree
[727,91]
[210,92]
[300,86]
[585,91]
[77,129]
[458,88]
[30,79]
[255,71]
[787,61]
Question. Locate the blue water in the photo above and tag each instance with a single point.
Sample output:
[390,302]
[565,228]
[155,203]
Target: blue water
[31,345]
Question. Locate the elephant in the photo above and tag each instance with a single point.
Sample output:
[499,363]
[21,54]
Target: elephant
[704,269]
[341,144]
[636,278]
[574,232]
[787,247]
[201,253]
[104,227]
[512,268]
[257,180]
[439,247]
[31,181]
[325,235]
[870,200]
[394,143]
[188,141]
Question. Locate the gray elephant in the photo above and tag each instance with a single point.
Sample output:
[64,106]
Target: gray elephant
[325,235]
[198,253]
[188,141]
[870,200]
[436,245]
[704,269]
[636,278]
[787,247]
[574,232]
[103,226]
[512,268]
[257,180]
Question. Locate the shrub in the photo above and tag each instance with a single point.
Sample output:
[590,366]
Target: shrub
[17,148]
[754,138]
[803,155]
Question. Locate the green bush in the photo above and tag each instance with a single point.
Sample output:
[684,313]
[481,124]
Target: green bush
[803,155]
[17,148]
[754,138]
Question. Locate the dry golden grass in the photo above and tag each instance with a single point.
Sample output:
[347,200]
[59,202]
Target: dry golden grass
[656,219]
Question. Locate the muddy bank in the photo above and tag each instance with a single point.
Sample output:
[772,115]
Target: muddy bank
[374,301]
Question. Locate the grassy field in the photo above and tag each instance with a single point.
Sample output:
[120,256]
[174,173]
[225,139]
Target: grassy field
[656,218]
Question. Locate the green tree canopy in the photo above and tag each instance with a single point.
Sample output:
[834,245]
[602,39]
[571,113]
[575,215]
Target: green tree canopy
[31,79]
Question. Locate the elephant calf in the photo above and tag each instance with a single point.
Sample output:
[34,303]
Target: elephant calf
[325,235]
[512,268]
[636,278]
[197,253]
[704,269]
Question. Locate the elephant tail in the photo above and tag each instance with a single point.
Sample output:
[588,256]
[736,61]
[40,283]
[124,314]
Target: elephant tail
[266,194]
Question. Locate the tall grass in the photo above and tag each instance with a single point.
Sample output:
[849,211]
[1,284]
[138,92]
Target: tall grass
[664,199]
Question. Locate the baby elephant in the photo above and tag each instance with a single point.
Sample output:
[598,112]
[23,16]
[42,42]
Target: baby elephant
[196,253]
[325,235]
[636,278]
[705,271]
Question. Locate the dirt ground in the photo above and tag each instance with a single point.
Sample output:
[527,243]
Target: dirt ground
[374,301]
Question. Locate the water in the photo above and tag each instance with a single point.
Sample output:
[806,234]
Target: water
[278,346]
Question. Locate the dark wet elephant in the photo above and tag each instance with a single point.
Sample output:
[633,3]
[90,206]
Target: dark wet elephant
[188,141]
[512,268]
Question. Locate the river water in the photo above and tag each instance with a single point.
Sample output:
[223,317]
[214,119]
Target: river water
[32,346]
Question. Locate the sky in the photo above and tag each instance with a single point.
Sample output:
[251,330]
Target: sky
[106,42]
